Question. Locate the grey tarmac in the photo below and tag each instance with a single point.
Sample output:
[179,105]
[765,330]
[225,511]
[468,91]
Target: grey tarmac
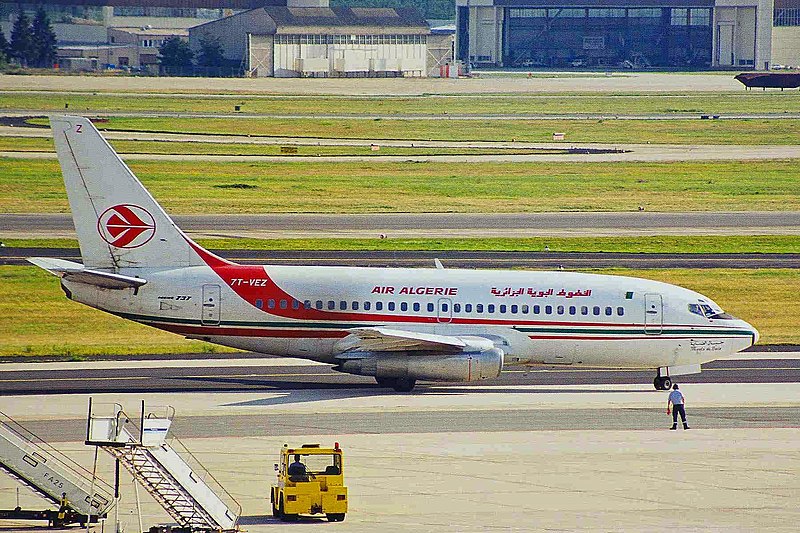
[442,225]
[459,259]
[618,152]
[572,457]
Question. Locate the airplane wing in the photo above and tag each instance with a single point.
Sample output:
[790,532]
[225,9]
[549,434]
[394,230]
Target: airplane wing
[78,273]
[380,339]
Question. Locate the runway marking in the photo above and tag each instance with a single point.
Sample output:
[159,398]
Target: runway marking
[149,376]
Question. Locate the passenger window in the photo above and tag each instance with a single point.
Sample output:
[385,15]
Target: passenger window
[260,304]
[573,310]
[270,304]
[620,311]
[537,309]
[331,305]
[503,309]
[548,309]
[430,308]
[343,306]
[391,306]
[416,307]
[467,308]
[515,309]
[609,311]
[445,307]
[284,304]
[319,304]
[596,310]
[404,306]
[560,309]
[479,308]
[456,308]
[490,308]
[525,309]
[367,306]
[295,304]
[584,310]
[307,304]
[354,306]
[379,306]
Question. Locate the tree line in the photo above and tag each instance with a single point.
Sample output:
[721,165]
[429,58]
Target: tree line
[33,43]
[176,57]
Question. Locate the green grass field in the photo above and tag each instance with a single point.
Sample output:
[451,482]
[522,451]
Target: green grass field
[36,319]
[35,186]
[437,105]
[747,132]
[671,244]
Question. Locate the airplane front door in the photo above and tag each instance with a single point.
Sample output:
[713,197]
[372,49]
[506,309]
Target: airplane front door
[653,314]
[211,305]
[444,308]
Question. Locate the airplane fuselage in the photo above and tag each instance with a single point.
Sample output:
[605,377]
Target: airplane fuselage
[534,317]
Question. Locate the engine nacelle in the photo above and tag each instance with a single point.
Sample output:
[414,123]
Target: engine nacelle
[429,367]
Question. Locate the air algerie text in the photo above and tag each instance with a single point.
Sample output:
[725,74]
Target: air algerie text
[436,291]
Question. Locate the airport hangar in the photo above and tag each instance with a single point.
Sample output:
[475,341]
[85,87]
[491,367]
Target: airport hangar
[743,34]
[288,41]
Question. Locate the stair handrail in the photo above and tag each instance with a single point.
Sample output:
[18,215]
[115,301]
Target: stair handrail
[229,499]
[73,467]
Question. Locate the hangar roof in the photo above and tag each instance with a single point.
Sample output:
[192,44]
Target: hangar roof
[346,16]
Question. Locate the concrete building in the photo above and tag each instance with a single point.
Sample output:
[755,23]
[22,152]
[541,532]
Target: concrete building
[620,33]
[786,34]
[289,41]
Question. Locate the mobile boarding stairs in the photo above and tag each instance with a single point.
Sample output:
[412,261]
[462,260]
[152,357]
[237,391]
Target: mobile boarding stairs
[184,493]
[81,497]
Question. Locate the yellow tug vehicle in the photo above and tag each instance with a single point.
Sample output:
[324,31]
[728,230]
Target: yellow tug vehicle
[310,482]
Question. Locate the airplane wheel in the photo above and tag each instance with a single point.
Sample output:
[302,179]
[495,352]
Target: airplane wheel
[404,384]
[662,383]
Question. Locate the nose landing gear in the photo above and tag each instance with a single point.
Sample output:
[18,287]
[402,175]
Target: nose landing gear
[662,382]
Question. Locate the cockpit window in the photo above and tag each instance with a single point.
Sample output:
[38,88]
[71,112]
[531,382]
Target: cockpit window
[707,311]
[695,308]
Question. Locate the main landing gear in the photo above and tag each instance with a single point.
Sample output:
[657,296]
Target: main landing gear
[662,382]
[398,384]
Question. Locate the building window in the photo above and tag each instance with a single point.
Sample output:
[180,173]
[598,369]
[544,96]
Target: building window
[680,16]
[786,17]
[700,17]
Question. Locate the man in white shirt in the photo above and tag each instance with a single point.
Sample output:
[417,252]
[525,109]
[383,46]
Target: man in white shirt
[677,401]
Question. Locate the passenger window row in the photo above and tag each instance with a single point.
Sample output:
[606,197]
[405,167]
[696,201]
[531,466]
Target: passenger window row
[514,309]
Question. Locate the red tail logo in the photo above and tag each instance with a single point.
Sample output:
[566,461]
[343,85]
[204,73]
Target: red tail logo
[126,226]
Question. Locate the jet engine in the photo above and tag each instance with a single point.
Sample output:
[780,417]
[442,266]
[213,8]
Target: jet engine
[471,366]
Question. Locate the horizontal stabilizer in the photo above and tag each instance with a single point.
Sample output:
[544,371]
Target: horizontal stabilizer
[80,274]
[380,339]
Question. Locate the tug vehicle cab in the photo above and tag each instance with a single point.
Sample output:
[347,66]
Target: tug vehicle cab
[310,482]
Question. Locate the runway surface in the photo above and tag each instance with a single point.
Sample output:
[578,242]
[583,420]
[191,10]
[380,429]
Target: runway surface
[129,377]
[544,82]
[608,153]
[445,224]
[459,259]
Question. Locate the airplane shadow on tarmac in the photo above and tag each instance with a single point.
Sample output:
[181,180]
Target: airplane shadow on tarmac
[288,397]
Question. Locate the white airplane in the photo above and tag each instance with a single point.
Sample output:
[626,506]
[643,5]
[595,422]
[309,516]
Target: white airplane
[396,324]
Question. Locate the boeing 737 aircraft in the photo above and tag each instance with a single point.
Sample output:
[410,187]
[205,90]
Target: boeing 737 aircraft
[399,325]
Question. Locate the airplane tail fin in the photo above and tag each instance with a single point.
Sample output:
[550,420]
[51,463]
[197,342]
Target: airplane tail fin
[119,224]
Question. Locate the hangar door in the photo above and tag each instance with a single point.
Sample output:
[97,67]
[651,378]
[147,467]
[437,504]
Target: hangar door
[259,55]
